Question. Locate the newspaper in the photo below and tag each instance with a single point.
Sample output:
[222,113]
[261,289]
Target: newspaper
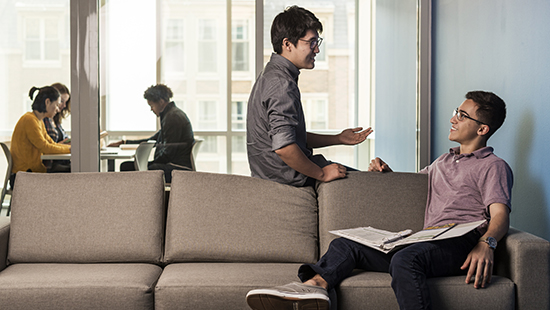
[385,241]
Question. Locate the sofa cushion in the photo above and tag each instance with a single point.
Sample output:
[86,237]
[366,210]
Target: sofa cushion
[391,201]
[231,218]
[78,286]
[372,290]
[217,285]
[87,217]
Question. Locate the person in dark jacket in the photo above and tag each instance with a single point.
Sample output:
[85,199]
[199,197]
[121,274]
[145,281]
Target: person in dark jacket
[175,138]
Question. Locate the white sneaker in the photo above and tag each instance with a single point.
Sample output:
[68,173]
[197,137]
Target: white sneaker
[293,296]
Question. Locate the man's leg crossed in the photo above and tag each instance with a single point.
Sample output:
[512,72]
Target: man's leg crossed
[337,264]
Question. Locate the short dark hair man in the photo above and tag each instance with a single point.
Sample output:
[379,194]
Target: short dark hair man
[279,147]
[468,184]
[174,140]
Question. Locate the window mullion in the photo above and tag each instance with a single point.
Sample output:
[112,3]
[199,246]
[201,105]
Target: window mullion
[228,68]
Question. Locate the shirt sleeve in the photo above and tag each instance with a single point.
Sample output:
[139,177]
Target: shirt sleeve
[282,107]
[38,136]
[153,137]
[496,185]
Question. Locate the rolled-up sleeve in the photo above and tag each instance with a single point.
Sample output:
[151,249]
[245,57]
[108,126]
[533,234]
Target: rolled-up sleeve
[283,114]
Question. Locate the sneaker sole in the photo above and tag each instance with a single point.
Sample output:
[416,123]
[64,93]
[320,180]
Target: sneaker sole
[271,302]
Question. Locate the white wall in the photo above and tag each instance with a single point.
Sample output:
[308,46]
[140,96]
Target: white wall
[501,46]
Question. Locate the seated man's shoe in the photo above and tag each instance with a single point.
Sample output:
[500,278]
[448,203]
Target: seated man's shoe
[293,296]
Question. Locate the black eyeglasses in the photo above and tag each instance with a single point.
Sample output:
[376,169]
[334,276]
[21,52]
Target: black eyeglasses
[461,115]
[313,42]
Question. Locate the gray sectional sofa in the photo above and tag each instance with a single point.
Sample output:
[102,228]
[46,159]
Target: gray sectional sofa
[117,241]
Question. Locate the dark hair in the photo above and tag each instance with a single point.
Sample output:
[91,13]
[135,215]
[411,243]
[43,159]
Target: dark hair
[46,92]
[292,24]
[158,92]
[491,109]
[67,109]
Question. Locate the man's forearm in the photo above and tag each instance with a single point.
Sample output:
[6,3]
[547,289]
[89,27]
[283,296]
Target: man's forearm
[315,140]
[500,221]
[293,156]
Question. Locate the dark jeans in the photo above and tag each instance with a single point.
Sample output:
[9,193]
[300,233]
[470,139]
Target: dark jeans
[129,166]
[409,266]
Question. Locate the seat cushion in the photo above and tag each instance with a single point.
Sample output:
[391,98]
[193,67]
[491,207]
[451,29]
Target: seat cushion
[78,286]
[372,290]
[217,285]
[231,218]
[391,201]
[87,217]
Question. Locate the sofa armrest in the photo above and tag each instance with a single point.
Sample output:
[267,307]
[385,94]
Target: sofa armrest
[525,259]
[4,236]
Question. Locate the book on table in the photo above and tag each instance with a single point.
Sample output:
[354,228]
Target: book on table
[386,241]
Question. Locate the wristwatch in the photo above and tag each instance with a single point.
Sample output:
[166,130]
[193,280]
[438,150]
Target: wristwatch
[492,242]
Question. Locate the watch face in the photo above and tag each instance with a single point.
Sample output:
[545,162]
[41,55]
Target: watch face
[492,242]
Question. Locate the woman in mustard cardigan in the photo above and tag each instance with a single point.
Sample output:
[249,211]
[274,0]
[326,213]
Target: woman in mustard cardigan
[30,139]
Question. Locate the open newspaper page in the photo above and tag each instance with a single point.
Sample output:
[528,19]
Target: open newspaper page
[369,236]
[386,241]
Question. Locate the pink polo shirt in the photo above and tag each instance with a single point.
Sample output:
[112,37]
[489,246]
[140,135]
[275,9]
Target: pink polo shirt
[462,186]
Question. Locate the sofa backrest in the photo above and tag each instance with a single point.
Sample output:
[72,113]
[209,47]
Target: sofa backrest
[87,217]
[231,218]
[391,201]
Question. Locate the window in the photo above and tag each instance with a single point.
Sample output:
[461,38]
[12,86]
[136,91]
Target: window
[316,112]
[207,115]
[238,114]
[239,36]
[174,57]
[208,51]
[34,51]
[42,39]
[207,46]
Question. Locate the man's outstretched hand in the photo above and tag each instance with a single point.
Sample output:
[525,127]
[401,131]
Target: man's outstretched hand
[353,136]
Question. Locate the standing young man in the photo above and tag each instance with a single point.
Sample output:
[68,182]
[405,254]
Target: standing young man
[279,147]
[468,184]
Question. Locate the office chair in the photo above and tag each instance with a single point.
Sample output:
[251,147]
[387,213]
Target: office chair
[194,151]
[5,190]
[141,159]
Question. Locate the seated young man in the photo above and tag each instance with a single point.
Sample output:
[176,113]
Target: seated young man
[468,184]
[279,147]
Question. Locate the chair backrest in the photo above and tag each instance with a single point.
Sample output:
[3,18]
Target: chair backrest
[194,151]
[8,173]
[141,159]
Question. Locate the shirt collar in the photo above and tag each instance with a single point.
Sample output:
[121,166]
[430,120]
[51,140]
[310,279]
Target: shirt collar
[284,63]
[168,107]
[479,153]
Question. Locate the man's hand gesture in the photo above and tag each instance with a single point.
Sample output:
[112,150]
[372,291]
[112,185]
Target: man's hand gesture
[353,136]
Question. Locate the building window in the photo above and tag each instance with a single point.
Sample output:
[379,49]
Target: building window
[207,46]
[238,115]
[240,49]
[207,115]
[316,111]
[42,39]
[174,57]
